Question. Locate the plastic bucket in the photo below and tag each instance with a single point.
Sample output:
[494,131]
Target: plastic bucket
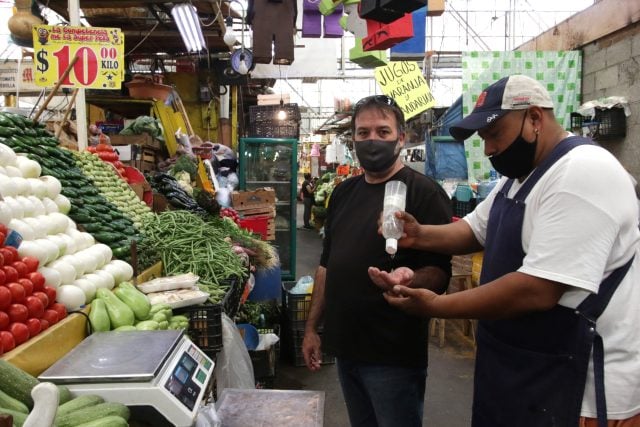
[268,285]
[256,224]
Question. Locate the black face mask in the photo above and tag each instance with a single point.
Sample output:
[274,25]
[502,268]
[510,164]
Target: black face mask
[376,155]
[517,160]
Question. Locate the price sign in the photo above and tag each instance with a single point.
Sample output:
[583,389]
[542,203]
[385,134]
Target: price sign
[100,53]
[403,81]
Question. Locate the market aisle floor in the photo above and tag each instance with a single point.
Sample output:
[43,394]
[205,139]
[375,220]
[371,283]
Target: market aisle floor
[450,381]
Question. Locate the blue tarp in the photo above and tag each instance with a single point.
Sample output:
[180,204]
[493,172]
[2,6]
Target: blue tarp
[445,156]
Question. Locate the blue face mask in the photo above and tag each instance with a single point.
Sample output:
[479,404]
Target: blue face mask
[376,155]
[517,160]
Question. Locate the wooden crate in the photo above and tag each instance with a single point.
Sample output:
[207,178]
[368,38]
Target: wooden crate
[261,197]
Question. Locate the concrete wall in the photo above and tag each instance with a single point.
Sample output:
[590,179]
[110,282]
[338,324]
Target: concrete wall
[611,67]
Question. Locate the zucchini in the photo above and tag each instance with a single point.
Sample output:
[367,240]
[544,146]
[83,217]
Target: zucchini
[94,413]
[9,402]
[109,421]
[4,131]
[18,417]
[92,227]
[5,121]
[107,237]
[17,383]
[80,402]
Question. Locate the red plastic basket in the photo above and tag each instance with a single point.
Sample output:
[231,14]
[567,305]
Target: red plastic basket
[257,224]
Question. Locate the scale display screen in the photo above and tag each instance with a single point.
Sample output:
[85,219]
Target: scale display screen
[181,381]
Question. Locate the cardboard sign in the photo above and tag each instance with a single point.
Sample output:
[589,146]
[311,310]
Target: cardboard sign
[403,81]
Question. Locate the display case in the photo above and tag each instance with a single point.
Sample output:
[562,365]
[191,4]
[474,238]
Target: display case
[272,162]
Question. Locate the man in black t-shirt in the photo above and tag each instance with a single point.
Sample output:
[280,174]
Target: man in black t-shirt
[381,352]
[307,190]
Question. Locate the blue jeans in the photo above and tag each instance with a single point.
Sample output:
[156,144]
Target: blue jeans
[382,395]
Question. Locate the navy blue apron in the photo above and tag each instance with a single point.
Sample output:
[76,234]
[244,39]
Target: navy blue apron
[531,370]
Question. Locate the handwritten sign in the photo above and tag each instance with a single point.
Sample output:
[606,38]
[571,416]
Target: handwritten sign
[403,81]
[17,78]
[100,53]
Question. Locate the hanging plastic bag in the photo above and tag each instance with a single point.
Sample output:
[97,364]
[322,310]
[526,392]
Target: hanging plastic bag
[233,368]
[207,416]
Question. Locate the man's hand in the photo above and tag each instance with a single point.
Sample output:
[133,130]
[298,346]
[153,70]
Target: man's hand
[417,302]
[400,276]
[311,350]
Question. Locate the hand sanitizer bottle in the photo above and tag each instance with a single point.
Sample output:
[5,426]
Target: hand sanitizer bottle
[395,193]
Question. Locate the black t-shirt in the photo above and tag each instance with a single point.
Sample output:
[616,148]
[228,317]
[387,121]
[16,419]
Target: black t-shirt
[305,191]
[358,322]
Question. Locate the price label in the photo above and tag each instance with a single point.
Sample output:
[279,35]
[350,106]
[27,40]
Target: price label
[100,53]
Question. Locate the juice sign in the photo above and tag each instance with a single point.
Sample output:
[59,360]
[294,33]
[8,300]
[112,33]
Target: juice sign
[100,53]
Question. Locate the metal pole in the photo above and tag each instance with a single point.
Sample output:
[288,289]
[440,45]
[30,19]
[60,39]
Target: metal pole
[81,104]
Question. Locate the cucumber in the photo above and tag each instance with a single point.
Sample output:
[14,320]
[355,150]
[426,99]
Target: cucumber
[80,402]
[110,421]
[18,417]
[17,383]
[64,394]
[9,402]
[93,413]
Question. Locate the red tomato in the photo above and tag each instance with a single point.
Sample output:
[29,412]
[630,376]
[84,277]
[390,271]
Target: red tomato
[11,274]
[18,313]
[50,316]
[20,332]
[3,229]
[34,326]
[17,292]
[31,263]
[14,252]
[37,279]
[8,342]
[7,254]
[42,297]
[43,325]
[51,293]
[21,267]
[35,306]
[5,297]
[4,321]
[3,277]
[60,309]
[3,237]
[27,285]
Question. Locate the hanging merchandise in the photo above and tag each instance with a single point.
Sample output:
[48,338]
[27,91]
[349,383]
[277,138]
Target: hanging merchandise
[383,36]
[353,23]
[313,22]
[413,48]
[367,59]
[273,30]
[388,10]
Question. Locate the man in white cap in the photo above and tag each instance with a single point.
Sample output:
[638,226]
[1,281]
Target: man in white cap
[559,301]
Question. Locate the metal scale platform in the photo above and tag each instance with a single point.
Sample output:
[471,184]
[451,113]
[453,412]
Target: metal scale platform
[159,369]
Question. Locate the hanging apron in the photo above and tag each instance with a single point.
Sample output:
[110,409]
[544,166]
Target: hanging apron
[531,370]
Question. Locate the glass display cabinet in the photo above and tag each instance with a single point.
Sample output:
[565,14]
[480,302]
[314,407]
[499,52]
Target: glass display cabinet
[272,162]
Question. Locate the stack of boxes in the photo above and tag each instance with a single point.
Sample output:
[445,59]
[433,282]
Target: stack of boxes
[257,211]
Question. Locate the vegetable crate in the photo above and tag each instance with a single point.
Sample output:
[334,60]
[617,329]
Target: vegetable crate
[265,361]
[295,307]
[205,326]
[609,123]
[460,209]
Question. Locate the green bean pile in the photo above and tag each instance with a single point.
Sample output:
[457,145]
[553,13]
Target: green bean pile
[187,244]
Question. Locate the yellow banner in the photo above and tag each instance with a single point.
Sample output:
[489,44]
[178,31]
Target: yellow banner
[403,81]
[100,53]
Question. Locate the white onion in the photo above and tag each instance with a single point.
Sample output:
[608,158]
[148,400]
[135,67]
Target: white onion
[12,171]
[7,156]
[58,222]
[70,226]
[107,277]
[5,213]
[88,288]
[27,206]
[38,188]
[71,296]
[53,252]
[38,206]
[71,244]
[60,242]
[6,188]
[76,263]
[77,238]
[17,210]
[89,262]
[98,280]
[66,270]
[51,276]
[53,186]
[21,185]
[107,253]
[22,228]
[49,205]
[28,167]
[64,205]
[89,240]
[32,249]
[125,271]
[39,228]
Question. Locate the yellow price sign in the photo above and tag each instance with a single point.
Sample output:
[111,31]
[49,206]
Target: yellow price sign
[100,53]
[403,81]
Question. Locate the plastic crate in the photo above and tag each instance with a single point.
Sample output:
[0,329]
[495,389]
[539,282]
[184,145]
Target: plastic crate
[265,361]
[295,307]
[258,224]
[275,129]
[610,123]
[460,209]
[205,326]
[262,113]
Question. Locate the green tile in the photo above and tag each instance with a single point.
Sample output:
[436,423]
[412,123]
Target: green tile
[506,65]
[465,64]
[465,110]
[551,64]
[465,87]
[560,99]
[475,76]
[496,54]
[477,165]
[528,65]
[551,87]
[474,54]
[571,86]
[571,63]
[496,76]
[539,54]
[517,54]
[539,76]
[485,65]
[562,76]
[474,98]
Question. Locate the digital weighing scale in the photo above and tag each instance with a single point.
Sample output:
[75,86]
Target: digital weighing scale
[159,369]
